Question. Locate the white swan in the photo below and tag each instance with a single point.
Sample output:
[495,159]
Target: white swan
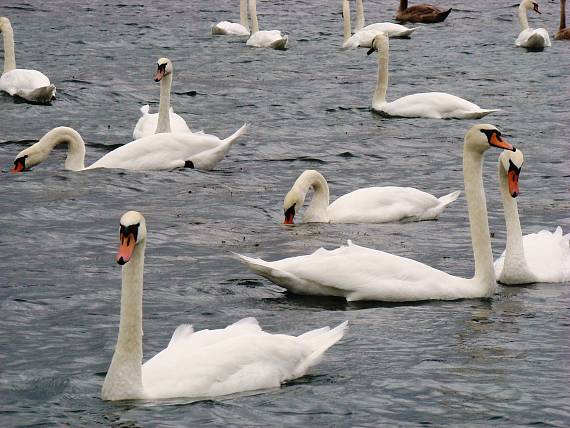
[155,152]
[232,28]
[165,120]
[358,273]
[30,85]
[537,257]
[529,38]
[207,363]
[367,205]
[264,39]
[363,37]
[434,105]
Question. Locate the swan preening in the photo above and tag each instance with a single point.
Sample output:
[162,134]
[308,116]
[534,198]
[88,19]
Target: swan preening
[165,120]
[537,257]
[232,28]
[530,38]
[563,33]
[367,205]
[155,152]
[363,36]
[423,12]
[434,105]
[30,85]
[207,363]
[264,39]
[359,273]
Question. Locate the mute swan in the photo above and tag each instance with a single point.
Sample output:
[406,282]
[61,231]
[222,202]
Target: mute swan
[423,12]
[264,39]
[368,205]
[537,257]
[563,33]
[358,273]
[166,120]
[231,28]
[155,152]
[434,105]
[207,363]
[363,38]
[30,85]
[528,38]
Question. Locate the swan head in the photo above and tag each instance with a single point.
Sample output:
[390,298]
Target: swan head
[4,24]
[512,163]
[531,5]
[29,157]
[164,68]
[293,201]
[379,42]
[481,137]
[132,232]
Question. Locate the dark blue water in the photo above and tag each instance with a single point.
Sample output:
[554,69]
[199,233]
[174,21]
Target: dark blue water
[502,361]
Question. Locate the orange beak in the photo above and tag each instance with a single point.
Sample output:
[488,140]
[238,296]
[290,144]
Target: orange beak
[126,248]
[289,215]
[19,165]
[513,180]
[159,74]
[499,142]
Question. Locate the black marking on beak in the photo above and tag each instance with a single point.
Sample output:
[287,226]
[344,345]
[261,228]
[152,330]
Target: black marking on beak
[289,214]
[535,8]
[133,229]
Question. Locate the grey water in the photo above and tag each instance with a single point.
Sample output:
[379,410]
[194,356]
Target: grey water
[496,362]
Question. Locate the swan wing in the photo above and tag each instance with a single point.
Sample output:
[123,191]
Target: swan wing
[268,39]
[548,255]
[359,273]
[241,357]
[533,38]
[229,28]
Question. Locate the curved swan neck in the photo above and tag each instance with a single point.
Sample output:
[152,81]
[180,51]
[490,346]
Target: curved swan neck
[515,250]
[478,220]
[75,160]
[403,5]
[320,202]
[253,16]
[163,124]
[359,15]
[243,13]
[562,14]
[9,53]
[124,377]
[522,17]
[382,82]
[346,19]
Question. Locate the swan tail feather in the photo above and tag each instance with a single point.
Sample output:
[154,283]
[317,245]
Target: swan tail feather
[280,43]
[405,34]
[181,332]
[449,198]
[443,15]
[145,109]
[236,134]
[480,113]
[39,95]
[208,159]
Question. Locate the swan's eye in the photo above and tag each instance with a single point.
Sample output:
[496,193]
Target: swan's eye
[132,229]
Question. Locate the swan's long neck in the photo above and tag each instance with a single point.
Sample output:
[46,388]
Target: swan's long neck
[346,19]
[75,160]
[359,15]
[522,17]
[243,13]
[562,14]
[515,250]
[163,124]
[382,82]
[9,54]
[403,5]
[478,221]
[124,377]
[317,209]
[253,16]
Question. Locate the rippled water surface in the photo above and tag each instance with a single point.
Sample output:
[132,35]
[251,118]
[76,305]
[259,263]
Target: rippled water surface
[502,361]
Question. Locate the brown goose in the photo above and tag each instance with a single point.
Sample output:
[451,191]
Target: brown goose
[423,12]
[563,33]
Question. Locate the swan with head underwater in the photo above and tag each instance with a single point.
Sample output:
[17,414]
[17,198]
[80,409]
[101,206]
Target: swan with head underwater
[231,28]
[156,152]
[202,364]
[537,257]
[533,39]
[434,105]
[30,85]
[359,273]
[264,39]
[165,120]
[363,36]
[366,205]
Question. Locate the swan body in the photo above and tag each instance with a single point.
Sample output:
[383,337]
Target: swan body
[537,257]
[362,38]
[434,105]
[232,28]
[563,33]
[264,39]
[30,85]
[424,12]
[156,152]
[367,205]
[533,39]
[358,273]
[202,364]
[165,120]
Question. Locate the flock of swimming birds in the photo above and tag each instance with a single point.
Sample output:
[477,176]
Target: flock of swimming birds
[242,357]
